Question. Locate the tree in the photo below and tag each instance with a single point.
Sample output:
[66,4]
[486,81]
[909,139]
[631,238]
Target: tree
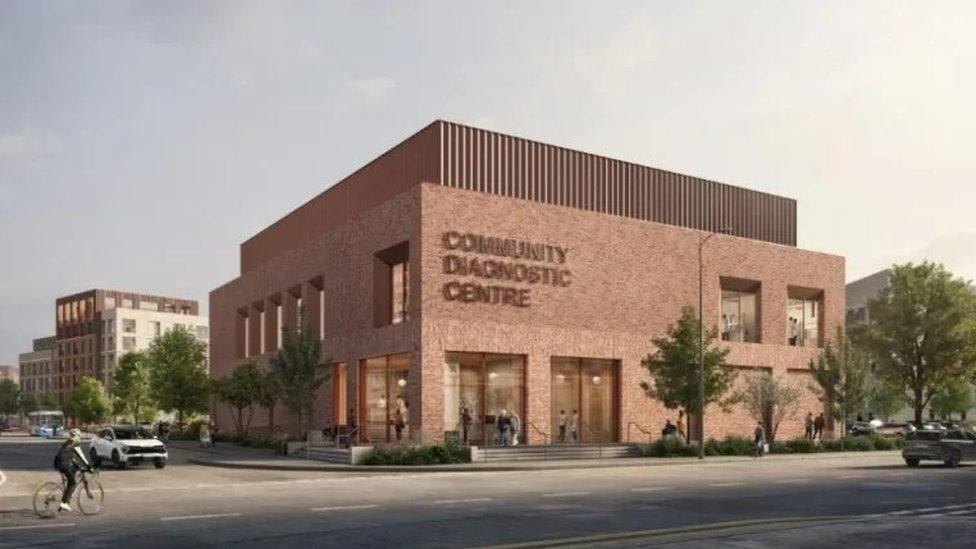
[9,391]
[131,387]
[177,373]
[268,394]
[768,399]
[300,371]
[240,390]
[840,374]
[883,399]
[27,403]
[673,367]
[88,402]
[955,397]
[921,331]
[48,401]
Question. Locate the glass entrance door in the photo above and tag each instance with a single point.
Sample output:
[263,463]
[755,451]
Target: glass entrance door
[584,400]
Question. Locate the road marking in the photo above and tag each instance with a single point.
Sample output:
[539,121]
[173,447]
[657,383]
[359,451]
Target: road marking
[726,484]
[565,494]
[963,512]
[848,477]
[3,478]
[344,508]
[905,512]
[36,526]
[196,517]
[466,500]
[793,481]
[651,489]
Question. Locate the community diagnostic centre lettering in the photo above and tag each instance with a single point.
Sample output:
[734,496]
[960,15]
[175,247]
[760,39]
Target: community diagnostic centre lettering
[521,262]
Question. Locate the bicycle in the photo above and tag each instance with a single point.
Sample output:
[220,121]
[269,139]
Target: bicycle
[89,495]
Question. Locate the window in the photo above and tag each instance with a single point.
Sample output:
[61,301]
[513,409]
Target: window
[321,314]
[584,395]
[803,320]
[128,343]
[126,303]
[738,322]
[109,302]
[478,387]
[149,305]
[385,405]
[154,327]
[400,285]
[204,333]
[128,325]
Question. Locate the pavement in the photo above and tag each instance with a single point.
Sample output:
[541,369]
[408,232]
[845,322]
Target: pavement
[871,500]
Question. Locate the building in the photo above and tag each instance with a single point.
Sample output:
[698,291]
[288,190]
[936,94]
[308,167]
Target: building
[466,272]
[95,327]
[37,371]
[8,372]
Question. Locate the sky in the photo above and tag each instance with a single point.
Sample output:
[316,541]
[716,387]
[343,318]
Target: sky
[142,142]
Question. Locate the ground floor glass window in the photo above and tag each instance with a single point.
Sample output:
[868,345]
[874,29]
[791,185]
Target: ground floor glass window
[385,406]
[584,400]
[484,400]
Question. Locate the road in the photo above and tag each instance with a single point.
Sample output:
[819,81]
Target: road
[873,499]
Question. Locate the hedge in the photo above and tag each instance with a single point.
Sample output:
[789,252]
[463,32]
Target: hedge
[740,446]
[436,454]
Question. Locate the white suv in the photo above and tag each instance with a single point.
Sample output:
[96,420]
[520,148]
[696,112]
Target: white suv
[125,444]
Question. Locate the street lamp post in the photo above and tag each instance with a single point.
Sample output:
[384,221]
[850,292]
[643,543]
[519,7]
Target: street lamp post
[701,338]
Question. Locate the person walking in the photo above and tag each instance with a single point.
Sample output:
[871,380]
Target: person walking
[516,427]
[562,421]
[574,427]
[808,426]
[681,424]
[503,424]
[818,427]
[205,440]
[759,439]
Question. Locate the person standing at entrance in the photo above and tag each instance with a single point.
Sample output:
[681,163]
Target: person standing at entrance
[575,427]
[681,424]
[808,426]
[563,421]
[794,332]
[818,426]
[465,423]
[398,424]
[504,424]
[516,428]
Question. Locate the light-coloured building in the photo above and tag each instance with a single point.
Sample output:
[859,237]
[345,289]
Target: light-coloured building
[8,372]
[37,371]
[126,330]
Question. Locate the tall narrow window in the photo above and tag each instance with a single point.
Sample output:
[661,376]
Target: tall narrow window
[803,317]
[739,319]
[247,337]
[400,285]
[299,313]
[278,324]
[322,314]
[264,344]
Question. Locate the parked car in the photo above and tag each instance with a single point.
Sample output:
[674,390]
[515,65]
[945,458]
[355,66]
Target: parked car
[127,444]
[950,446]
[48,431]
[880,428]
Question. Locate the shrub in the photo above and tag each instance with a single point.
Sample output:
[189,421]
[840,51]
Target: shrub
[437,454]
[801,446]
[736,446]
[671,447]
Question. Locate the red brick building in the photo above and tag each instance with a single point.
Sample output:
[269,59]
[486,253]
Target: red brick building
[466,272]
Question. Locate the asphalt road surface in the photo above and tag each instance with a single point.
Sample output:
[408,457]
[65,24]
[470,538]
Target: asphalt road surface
[870,501]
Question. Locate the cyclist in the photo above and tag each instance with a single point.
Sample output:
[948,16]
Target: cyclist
[69,460]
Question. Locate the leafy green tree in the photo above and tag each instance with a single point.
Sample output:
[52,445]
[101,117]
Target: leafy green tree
[955,397]
[130,385]
[768,399]
[177,373]
[921,331]
[88,402]
[48,401]
[27,403]
[9,391]
[841,373]
[883,399]
[240,390]
[300,371]
[673,367]
[268,395]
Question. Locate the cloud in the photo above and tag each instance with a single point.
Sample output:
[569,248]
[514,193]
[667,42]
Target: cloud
[28,144]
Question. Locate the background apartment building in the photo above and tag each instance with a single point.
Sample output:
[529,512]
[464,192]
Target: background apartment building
[8,372]
[37,372]
[96,326]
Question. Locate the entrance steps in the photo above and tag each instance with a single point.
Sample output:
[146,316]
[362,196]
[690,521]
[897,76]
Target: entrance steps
[327,453]
[554,452]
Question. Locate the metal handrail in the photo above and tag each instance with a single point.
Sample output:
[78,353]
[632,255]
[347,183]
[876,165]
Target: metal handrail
[639,428]
[545,438]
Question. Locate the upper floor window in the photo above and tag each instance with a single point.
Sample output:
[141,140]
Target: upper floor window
[739,316]
[109,302]
[129,325]
[154,327]
[391,285]
[803,319]
[149,305]
[128,343]
[126,303]
[400,285]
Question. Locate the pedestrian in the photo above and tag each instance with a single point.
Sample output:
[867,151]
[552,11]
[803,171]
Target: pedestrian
[574,427]
[398,424]
[563,421]
[681,425]
[668,428]
[516,427]
[818,427]
[503,424]
[465,423]
[204,435]
[808,427]
[759,439]
[794,332]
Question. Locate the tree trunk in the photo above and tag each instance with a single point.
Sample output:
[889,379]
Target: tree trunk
[918,406]
[271,416]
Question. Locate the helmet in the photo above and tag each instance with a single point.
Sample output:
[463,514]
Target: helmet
[74,434]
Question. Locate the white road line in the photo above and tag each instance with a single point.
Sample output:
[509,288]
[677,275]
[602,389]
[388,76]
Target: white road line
[792,481]
[36,526]
[963,512]
[196,517]
[344,508]
[848,477]
[651,489]
[466,500]
[905,512]
[3,478]
[565,494]
[726,484]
